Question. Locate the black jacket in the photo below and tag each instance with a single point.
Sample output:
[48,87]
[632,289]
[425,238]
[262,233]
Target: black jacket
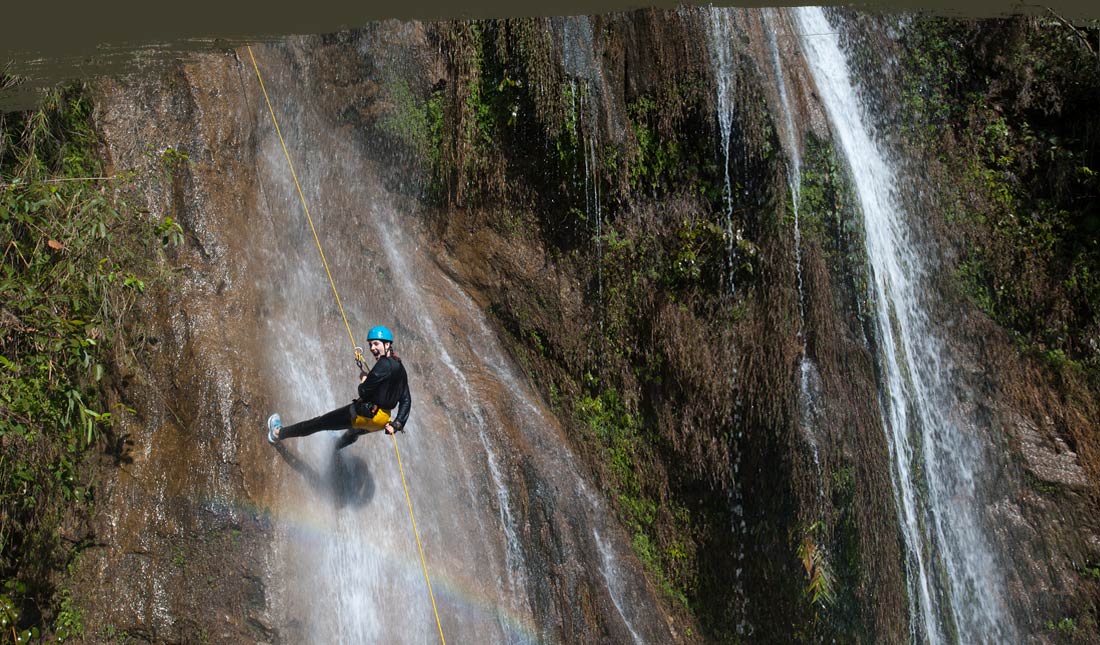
[387,386]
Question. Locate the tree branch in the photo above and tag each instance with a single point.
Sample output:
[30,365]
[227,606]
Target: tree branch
[1077,32]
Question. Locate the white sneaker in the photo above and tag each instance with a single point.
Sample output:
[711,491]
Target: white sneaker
[274,425]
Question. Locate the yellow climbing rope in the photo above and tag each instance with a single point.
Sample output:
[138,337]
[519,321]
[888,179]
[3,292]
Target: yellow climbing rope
[401,469]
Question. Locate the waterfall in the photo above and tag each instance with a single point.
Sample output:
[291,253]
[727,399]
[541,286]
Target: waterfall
[347,557]
[720,36]
[585,83]
[807,371]
[610,569]
[954,586]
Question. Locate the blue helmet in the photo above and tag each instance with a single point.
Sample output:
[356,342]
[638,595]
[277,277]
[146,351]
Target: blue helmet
[380,333]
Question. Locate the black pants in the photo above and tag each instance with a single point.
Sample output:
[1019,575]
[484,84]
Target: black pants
[339,419]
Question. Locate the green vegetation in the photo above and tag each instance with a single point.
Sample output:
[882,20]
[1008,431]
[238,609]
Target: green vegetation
[1067,626]
[416,123]
[112,634]
[477,124]
[626,447]
[821,582]
[568,142]
[75,260]
[665,163]
[829,555]
[658,159]
[1041,486]
[411,128]
[1009,107]
[70,619]
[828,216]
[508,135]
[481,115]
[11,627]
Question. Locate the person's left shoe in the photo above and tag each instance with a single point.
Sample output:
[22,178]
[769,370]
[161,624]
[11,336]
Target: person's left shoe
[274,426]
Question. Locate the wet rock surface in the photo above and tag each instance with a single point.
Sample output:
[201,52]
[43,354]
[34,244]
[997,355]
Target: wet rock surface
[183,524]
[180,524]
[1047,455]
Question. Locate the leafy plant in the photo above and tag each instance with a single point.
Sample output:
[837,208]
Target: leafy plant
[70,619]
[1016,94]
[74,262]
[821,585]
[1067,626]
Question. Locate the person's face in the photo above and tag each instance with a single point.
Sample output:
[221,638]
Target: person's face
[377,348]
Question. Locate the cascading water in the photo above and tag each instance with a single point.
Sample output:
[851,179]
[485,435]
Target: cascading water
[592,193]
[609,568]
[585,83]
[720,36]
[348,558]
[954,589]
[807,372]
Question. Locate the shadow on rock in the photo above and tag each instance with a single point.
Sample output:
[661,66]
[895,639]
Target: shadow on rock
[347,480]
[350,479]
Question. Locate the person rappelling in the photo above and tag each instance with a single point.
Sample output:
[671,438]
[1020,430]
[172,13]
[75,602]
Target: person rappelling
[385,387]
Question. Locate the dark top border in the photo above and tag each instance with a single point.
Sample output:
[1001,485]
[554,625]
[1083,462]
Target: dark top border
[44,46]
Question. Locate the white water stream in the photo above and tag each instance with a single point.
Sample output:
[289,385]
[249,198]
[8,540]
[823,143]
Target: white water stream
[808,378]
[586,84]
[345,547]
[720,43]
[954,588]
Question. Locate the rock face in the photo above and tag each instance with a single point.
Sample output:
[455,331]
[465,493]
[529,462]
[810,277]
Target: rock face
[566,176]
[180,526]
[1046,455]
[208,515]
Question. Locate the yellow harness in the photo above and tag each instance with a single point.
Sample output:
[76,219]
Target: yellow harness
[372,424]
